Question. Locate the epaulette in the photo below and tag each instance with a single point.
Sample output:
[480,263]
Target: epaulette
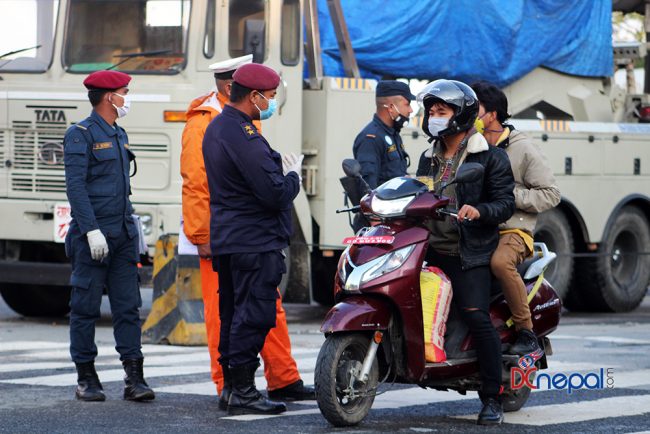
[372,136]
[81,127]
[249,130]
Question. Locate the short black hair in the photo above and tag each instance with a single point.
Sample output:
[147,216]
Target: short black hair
[492,98]
[95,96]
[238,92]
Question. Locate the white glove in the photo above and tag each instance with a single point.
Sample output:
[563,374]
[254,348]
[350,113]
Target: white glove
[98,245]
[292,163]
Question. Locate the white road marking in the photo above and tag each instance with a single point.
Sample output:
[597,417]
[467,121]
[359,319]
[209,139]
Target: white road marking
[108,376]
[571,412]
[608,339]
[208,388]
[31,345]
[105,351]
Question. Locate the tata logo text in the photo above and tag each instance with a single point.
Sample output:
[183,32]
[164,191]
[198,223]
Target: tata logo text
[573,381]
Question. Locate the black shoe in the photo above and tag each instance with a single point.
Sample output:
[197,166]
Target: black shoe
[526,343]
[491,413]
[227,388]
[135,388]
[245,398]
[88,386]
[293,392]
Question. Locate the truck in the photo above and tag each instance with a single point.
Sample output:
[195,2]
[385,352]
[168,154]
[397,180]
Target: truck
[590,129]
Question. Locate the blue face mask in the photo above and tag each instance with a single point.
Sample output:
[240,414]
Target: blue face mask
[273,105]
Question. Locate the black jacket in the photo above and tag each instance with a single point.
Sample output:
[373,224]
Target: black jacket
[492,196]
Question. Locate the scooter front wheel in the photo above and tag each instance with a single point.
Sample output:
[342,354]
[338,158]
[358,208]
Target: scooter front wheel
[342,398]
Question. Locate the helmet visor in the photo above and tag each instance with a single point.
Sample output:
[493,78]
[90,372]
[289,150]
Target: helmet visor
[442,90]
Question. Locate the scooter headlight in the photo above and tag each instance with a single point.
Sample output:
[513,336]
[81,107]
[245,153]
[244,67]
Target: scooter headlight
[387,263]
[343,264]
[390,208]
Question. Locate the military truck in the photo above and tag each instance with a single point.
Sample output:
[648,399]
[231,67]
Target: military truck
[584,125]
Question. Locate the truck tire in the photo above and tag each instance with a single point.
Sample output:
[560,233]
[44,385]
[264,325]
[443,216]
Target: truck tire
[553,229]
[37,300]
[617,279]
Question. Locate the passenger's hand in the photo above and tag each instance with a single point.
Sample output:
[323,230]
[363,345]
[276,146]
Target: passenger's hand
[292,163]
[468,212]
[204,251]
[98,245]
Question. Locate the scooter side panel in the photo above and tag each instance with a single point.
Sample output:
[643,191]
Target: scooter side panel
[357,314]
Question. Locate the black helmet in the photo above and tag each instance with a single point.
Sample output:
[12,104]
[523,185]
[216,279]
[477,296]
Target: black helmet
[456,94]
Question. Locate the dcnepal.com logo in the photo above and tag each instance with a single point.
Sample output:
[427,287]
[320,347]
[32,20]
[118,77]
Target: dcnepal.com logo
[526,375]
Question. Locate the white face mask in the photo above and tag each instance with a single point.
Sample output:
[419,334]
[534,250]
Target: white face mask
[436,125]
[124,110]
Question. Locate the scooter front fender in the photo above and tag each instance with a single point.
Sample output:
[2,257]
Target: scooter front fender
[357,314]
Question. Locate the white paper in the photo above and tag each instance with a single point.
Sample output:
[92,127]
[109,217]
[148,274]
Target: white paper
[185,247]
[142,244]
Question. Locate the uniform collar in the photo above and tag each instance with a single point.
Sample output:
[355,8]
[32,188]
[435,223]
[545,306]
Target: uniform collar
[233,112]
[108,130]
[378,121]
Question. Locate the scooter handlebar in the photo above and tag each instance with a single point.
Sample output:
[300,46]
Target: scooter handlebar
[356,208]
[452,213]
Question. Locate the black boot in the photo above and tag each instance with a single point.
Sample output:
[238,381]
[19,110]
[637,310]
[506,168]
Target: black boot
[526,343]
[492,411]
[135,388]
[293,392]
[245,398]
[226,390]
[88,386]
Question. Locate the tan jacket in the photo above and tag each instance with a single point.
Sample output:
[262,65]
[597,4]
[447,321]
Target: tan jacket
[535,187]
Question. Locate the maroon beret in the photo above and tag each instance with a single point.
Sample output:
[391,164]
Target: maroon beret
[256,76]
[106,80]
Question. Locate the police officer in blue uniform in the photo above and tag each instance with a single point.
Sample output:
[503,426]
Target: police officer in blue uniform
[378,148]
[251,193]
[102,241]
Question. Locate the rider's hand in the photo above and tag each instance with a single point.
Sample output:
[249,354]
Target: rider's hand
[98,245]
[468,212]
[204,250]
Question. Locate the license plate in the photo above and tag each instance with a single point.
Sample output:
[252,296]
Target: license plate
[62,217]
[380,239]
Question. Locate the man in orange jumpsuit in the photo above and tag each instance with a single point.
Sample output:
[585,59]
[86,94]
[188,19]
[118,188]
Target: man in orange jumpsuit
[280,368]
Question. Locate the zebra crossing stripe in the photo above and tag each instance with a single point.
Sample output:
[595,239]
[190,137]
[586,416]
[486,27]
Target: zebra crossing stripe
[108,375]
[570,412]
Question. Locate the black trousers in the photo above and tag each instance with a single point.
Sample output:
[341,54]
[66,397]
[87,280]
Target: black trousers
[247,297]
[471,296]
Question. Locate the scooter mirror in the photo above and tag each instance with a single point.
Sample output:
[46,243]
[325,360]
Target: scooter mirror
[351,167]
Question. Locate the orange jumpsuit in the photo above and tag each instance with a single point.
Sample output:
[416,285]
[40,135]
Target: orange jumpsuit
[280,367]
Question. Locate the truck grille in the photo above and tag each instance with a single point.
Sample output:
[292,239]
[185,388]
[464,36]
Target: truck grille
[38,148]
[35,152]
[36,155]
[38,182]
[3,146]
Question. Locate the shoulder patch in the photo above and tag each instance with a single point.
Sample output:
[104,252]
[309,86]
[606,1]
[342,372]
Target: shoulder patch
[249,130]
[372,136]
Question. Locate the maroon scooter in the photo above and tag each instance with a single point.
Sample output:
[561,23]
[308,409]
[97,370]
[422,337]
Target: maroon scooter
[374,333]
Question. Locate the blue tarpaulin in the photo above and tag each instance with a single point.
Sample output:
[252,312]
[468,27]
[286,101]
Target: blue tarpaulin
[494,40]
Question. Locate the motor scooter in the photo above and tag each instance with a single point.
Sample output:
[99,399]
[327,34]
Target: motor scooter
[374,332]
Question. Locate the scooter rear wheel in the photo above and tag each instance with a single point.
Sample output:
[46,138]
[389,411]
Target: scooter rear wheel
[339,359]
[513,400]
